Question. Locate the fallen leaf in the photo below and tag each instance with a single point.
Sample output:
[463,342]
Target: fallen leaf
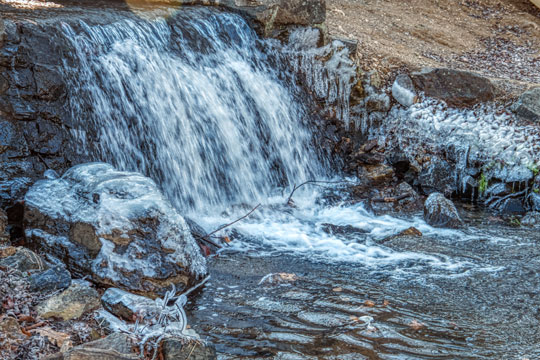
[386,303]
[369,303]
[415,325]
[226,239]
[337,289]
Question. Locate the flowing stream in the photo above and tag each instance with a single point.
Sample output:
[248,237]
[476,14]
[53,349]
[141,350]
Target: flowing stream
[216,117]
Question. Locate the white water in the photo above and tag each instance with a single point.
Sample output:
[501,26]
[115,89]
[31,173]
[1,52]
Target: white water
[196,104]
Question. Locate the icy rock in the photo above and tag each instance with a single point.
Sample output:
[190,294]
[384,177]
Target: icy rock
[455,87]
[534,200]
[116,226]
[403,90]
[175,349]
[531,219]
[441,212]
[55,278]
[127,306]
[528,105]
[72,303]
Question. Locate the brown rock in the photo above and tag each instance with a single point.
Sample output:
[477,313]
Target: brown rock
[455,87]
[377,174]
[72,303]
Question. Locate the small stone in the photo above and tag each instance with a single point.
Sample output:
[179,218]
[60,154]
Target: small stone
[412,231]
[70,304]
[531,219]
[175,349]
[403,90]
[55,278]
[23,260]
[528,105]
[441,212]
[127,306]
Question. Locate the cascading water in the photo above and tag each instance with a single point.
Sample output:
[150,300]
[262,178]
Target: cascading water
[192,102]
[212,113]
[215,116]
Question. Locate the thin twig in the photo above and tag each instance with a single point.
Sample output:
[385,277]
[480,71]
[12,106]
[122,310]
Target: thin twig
[203,238]
[313,182]
[392,199]
[232,223]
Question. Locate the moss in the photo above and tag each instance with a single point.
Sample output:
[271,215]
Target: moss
[483,183]
[534,169]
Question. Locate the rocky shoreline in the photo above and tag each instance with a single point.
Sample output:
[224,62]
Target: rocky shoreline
[94,260]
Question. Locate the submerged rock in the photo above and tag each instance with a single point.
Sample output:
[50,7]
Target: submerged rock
[175,349]
[455,87]
[441,212]
[70,304]
[116,226]
[531,219]
[528,105]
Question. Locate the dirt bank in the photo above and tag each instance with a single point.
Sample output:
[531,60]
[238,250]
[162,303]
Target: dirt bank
[499,38]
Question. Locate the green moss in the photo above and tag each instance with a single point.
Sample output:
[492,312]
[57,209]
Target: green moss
[483,183]
[514,221]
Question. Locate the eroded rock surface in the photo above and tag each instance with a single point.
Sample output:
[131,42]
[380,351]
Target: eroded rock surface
[116,226]
[528,105]
[70,304]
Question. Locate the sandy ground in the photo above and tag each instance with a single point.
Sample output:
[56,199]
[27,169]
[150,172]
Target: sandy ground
[499,38]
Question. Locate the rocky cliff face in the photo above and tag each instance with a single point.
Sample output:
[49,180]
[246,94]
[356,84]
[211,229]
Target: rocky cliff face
[34,122]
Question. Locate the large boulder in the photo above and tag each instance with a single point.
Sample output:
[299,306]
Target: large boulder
[455,87]
[270,14]
[528,105]
[441,212]
[115,226]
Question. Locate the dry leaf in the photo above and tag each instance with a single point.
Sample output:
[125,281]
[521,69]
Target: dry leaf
[226,239]
[369,303]
[386,303]
[55,337]
[415,325]
[337,289]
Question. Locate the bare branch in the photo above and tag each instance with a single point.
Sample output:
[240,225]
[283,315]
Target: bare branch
[231,223]
[316,182]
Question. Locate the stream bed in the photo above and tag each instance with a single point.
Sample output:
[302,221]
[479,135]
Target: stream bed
[479,301]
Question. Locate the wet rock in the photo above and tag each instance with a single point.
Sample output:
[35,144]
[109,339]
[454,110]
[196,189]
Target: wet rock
[113,347]
[116,226]
[455,87]
[528,105]
[49,82]
[441,212]
[534,201]
[72,303]
[55,278]
[376,174]
[437,175]
[412,231]
[175,349]
[531,219]
[403,90]
[21,259]
[341,229]
[128,306]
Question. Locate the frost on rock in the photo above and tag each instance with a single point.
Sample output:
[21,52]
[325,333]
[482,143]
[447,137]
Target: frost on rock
[115,225]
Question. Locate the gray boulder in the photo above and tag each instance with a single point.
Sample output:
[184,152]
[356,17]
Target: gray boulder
[441,212]
[55,278]
[72,303]
[128,306]
[455,87]
[115,226]
[528,105]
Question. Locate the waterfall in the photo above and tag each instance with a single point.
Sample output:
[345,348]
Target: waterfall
[193,102]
